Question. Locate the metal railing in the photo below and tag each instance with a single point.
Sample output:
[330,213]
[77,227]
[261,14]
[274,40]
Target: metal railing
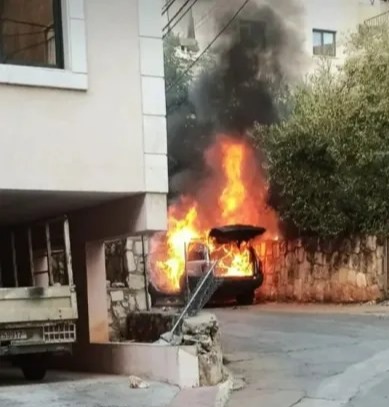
[378,20]
[205,288]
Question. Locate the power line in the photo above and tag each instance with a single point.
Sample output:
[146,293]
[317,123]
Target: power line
[209,45]
[175,15]
[186,12]
[206,16]
[167,6]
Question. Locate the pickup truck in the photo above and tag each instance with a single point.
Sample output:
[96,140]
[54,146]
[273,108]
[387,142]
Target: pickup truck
[38,306]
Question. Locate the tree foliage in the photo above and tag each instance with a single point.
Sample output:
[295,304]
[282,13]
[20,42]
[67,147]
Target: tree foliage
[328,162]
[177,76]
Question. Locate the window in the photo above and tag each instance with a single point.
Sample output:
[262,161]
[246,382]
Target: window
[43,43]
[324,43]
[253,32]
[31,33]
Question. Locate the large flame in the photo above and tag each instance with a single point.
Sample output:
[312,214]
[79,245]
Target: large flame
[234,193]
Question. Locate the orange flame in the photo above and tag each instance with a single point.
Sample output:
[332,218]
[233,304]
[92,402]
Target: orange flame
[235,193]
[234,261]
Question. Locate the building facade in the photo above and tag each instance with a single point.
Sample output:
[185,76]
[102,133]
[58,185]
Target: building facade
[322,24]
[82,108]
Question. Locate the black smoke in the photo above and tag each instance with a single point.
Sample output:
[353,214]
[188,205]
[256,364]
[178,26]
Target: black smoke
[254,61]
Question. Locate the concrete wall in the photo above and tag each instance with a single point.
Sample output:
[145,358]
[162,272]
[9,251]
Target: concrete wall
[177,365]
[110,137]
[345,271]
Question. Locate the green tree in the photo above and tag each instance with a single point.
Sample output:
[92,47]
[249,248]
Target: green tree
[328,162]
[177,76]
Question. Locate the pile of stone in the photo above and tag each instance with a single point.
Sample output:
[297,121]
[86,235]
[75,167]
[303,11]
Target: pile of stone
[203,332]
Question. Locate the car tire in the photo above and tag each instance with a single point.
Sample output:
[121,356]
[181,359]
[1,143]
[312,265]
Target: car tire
[34,367]
[246,298]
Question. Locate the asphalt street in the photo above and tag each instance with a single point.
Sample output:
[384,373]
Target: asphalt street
[308,356]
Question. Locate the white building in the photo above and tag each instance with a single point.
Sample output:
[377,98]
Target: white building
[83,128]
[323,24]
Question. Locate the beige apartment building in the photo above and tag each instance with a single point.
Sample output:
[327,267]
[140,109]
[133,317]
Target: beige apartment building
[83,131]
[322,24]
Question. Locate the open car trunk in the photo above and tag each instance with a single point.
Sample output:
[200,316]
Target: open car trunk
[230,245]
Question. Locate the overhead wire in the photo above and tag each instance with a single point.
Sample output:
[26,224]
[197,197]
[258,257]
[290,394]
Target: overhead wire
[176,15]
[205,17]
[170,29]
[166,7]
[221,32]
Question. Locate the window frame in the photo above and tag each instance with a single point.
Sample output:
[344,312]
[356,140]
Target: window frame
[74,74]
[57,28]
[247,25]
[322,32]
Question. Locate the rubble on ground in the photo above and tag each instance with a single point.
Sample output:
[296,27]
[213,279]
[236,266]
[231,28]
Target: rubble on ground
[203,332]
[137,383]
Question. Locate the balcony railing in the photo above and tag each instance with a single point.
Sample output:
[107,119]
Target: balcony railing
[378,20]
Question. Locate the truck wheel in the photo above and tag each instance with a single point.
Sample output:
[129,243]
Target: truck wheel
[246,298]
[34,373]
[34,367]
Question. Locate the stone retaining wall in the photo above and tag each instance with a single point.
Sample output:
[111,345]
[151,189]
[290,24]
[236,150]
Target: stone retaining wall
[347,271]
[126,283]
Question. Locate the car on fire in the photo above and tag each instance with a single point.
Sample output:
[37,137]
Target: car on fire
[238,268]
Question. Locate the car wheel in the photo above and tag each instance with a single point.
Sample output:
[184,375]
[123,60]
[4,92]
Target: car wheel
[246,298]
[34,368]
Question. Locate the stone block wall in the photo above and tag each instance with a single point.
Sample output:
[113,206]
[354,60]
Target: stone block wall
[126,283]
[346,271]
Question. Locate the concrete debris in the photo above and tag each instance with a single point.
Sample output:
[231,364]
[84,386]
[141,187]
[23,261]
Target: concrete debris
[168,339]
[239,383]
[202,324]
[137,383]
[203,332]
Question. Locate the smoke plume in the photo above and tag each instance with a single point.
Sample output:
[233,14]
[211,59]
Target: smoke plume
[249,73]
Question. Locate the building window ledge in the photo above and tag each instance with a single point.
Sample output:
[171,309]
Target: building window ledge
[43,77]
[74,76]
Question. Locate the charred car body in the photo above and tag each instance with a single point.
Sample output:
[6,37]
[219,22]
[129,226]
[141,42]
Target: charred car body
[238,266]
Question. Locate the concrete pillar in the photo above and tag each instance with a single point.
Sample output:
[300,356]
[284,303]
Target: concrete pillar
[90,279]
[88,229]
[97,292]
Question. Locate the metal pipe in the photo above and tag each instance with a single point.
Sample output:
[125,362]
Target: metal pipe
[198,289]
[145,274]
[68,256]
[31,255]
[186,275]
[14,261]
[48,250]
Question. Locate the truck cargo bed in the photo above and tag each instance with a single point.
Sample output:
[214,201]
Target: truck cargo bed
[33,304]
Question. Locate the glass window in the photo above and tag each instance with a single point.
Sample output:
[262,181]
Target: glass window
[324,43]
[316,39]
[253,31]
[31,33]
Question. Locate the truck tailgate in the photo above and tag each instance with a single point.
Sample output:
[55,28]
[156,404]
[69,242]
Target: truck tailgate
[28,304]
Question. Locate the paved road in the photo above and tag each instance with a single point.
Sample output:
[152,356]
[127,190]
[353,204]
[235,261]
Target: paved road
[80,390]
[308,356]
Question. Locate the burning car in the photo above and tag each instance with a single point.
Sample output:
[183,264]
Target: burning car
[238,265]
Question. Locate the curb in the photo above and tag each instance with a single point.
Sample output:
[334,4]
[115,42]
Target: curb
[224,390]
[215,396]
